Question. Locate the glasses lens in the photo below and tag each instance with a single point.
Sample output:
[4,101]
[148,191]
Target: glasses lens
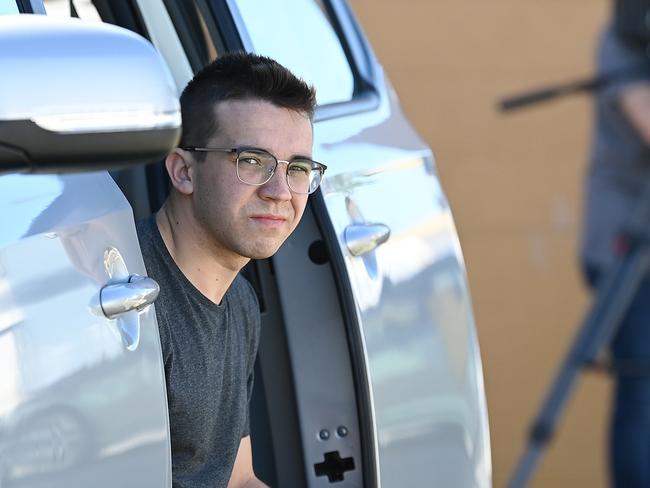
[255,167]
[303,177]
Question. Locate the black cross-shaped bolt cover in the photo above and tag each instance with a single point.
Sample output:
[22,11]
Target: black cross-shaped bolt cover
[334,466]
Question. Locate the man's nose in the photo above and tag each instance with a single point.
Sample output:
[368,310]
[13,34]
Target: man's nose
[277,187]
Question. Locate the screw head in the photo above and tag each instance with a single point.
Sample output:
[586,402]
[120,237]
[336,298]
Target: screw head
[342,431]
[324,434]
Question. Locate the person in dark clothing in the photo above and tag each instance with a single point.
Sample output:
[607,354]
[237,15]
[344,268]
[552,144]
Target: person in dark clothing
[618,174]
[240,179]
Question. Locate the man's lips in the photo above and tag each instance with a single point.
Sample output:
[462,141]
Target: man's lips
[271,220]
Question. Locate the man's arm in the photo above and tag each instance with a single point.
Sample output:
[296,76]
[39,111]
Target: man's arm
[635,104]
[242,472]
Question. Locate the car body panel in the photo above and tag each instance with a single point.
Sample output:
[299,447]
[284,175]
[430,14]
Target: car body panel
[412,300]
[76,406]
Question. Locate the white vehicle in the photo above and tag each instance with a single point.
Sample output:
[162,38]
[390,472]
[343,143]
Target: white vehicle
[369,371]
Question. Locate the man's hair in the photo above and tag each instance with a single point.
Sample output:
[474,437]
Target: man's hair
[239,76]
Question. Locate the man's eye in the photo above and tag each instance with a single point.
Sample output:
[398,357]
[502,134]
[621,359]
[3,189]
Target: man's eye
[250,162]
[299,169]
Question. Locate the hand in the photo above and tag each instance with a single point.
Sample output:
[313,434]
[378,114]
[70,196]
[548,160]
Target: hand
[242,474]
[635,105]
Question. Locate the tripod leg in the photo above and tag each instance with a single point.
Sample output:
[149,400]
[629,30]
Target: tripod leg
[601,323]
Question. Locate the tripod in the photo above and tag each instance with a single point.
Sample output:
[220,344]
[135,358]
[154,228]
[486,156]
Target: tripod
[599,327]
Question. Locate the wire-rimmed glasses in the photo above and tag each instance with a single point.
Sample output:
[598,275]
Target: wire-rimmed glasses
[257,166]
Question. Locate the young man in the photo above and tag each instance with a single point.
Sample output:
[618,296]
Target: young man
[231,200]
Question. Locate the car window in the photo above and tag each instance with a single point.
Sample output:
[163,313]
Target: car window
[84,9]
[8,7]
[193,31]
[300,35]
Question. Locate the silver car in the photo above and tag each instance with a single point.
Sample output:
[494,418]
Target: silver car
[369,372]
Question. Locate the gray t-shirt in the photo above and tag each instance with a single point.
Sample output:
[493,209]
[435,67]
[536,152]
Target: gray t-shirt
[620,159]
[209,351]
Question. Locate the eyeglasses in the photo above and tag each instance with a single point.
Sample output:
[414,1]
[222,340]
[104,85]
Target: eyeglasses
[256,167]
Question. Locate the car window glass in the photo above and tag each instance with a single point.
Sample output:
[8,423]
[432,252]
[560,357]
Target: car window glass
[193,31]
[84,9]
[204,35]
[299,34]
[8,7]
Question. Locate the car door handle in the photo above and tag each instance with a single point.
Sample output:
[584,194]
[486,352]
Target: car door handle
[363,238]
[133,295]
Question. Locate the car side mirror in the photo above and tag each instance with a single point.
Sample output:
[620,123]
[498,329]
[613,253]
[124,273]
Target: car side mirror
[78,96]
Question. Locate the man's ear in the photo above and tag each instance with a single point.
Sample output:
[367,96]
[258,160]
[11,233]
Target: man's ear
[180,168]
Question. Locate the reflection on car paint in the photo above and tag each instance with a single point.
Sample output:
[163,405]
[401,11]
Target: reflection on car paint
[415,313]
[74,402]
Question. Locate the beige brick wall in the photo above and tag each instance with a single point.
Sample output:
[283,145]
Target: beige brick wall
[514,183]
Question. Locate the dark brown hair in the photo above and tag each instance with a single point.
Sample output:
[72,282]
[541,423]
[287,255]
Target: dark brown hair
[239,76]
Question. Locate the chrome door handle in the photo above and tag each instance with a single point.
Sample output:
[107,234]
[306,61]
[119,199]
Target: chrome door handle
[133,295]
[362,238]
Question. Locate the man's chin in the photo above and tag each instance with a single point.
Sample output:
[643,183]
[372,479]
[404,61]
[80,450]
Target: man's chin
[263,252]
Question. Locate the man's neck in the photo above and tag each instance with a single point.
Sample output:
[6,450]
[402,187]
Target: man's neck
[210,271]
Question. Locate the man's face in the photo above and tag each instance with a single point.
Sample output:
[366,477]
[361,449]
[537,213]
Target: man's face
[250,221]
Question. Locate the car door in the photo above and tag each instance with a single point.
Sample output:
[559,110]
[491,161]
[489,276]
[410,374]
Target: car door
[394,250]
[82,396]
